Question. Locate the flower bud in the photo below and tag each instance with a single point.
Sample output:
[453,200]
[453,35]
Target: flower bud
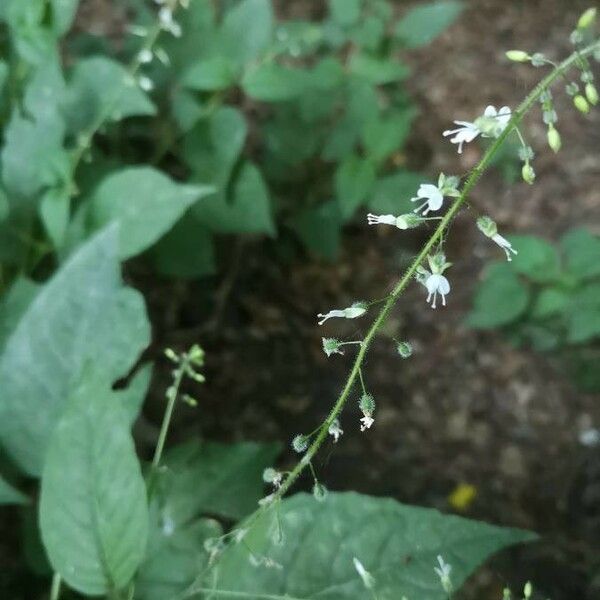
[300,443]
[270,475]
[581,104]
[487,226]
[554,140]
[404,349]
[528,590]
[587,18]
[528,174]
[331,346]
[319,491]
[591,93]
[517,56]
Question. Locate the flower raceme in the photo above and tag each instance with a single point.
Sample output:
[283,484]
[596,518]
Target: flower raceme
[491,124]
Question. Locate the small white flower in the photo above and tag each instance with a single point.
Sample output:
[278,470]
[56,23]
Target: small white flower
[165,17]
[358,309]
[367,579]
[366,422]
[443,572]
[145,56]
[491,124]
[505,245]
[432,195]
[407,221]
[435,284]
[146,83]
[335,430]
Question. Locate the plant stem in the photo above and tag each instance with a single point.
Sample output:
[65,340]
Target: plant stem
[55,589]
[437,235]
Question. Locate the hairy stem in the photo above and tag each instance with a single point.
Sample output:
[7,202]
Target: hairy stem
[435,237]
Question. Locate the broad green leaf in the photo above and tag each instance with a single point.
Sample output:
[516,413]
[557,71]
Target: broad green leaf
[100,88]
[144,202]
[63,14]
[550,302]
[174,557]
[377,71]
[423,23]
[499,299]
[583,314]
[186,251]
[249,210]
[273,83]
[582,253]
[212,74]
[354,180]
[537,259]
[397,544]
[32,156]
[54,212]
[10,495]
[320,229]
[93,511]
[385,135]
[132,397]
[392,194]
[211,478]
[75,317]
[247,30]
[345,12]
[14,304]
[213,146]
[187,110]
[369,33]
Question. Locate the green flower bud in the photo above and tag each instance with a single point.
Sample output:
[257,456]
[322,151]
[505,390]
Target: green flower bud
[528,174]
[487,226]
[554,138]
[367,404]
[300,443]
[591,93]
[270,475]
[517,56]
[405,349]
[587,18]
[331,346]
[319,491]
[581,104]
[408,221]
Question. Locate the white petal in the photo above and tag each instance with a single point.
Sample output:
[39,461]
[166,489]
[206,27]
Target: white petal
[490,111]
[443,285]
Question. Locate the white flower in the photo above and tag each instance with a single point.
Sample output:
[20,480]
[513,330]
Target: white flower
[165,17]
[407,221]
[505,245]
[435,284]
[366,422]
[432,195]
[367,579]
[443,572]
[491,124]
[335,430]
[146,83]
[358,309]
[145,56]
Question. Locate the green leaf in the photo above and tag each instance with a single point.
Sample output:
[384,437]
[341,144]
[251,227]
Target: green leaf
[231,477]
[32,157]
[377,71]
[320,229]
[354,180]
[174,557]
[423,23]
[132,397]
[582,253]
[14,304]
[583,314]
[63,15]
[10,495]
[392,193]
[550,302]
[499,299]
[100,87]
[537,259]
[95,534]
[396,543]
[186,251]
[144,202]
[345,12]
[385,135]
[212,74]
[54,212]
[247,30]
[271,82]
[81,314]
[249,210]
